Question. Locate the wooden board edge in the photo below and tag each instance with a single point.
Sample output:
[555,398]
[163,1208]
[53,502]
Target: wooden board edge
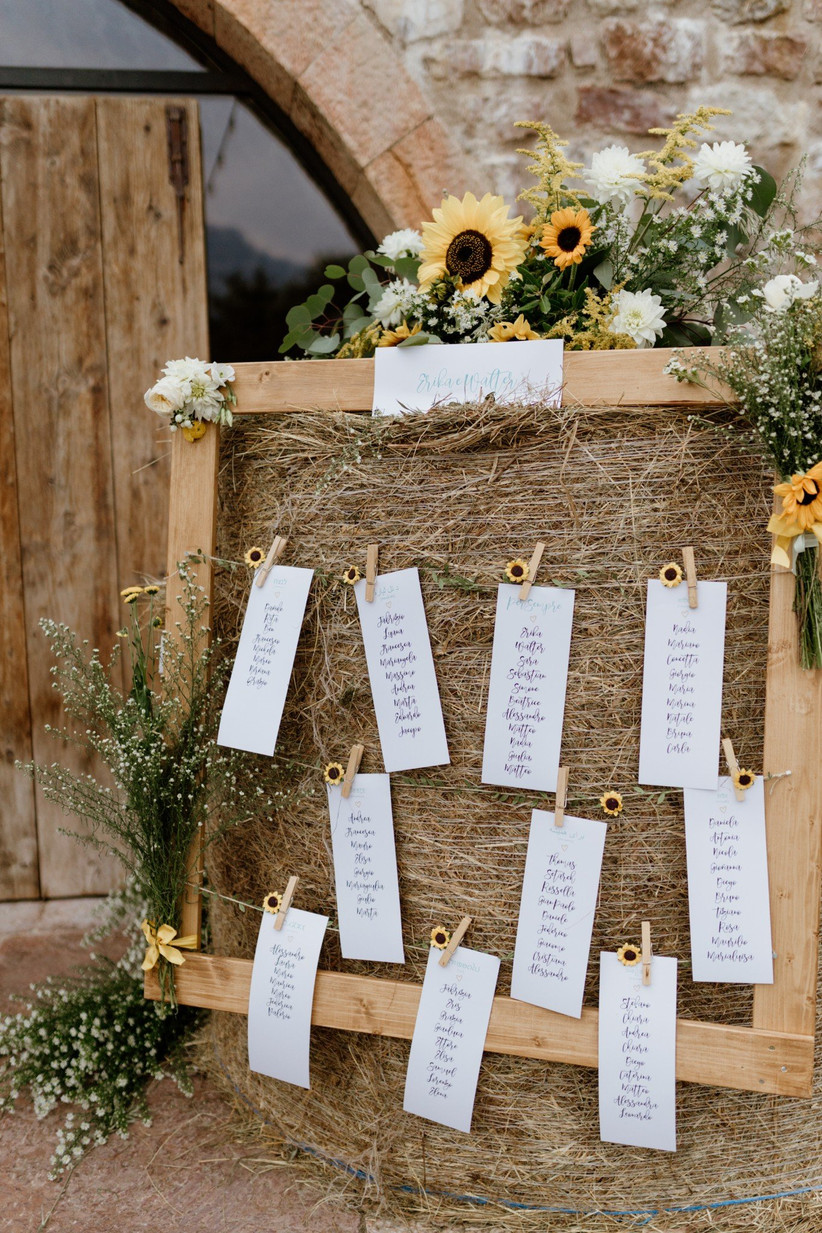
[742,1058]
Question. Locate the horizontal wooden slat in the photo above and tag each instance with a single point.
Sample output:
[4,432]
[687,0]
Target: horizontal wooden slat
[709,1053]
[629,378]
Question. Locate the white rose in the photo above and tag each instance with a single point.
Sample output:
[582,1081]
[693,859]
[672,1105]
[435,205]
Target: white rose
[165,397]
[639,315]
[780,292]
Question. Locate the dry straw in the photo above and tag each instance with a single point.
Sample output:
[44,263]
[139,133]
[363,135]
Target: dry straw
[614,493]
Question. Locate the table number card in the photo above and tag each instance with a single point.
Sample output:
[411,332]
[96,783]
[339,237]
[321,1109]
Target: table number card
[637,1054]
[526,694]
[262,668]
[282,991]
[682,686]
[417,378]
[556,913]
[728,885]
[365,870]
[401,671]
[449,1035]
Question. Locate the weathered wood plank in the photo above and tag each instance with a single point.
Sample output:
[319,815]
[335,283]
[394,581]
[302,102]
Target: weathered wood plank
[713,1054]
[19,876]
[630,378]
[48,156]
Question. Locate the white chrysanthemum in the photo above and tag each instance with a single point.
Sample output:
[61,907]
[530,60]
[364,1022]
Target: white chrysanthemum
[722,165]
[165,397]
[393,304]
[406,242]
[186,370]
[639,315]
[615,175]
[780,292]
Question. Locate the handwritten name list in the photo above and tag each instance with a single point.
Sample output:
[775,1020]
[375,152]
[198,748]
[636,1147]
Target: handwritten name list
[682,686]
[728,885]
[282,991]
[637,1054]
[260,677]
[365,870]
[401,672]
[556,913]
[449,1035]
[526,694]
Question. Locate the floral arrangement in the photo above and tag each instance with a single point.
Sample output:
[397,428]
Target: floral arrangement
[633,250]
[191,394]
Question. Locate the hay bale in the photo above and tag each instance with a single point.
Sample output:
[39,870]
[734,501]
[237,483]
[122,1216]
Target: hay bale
[614,493]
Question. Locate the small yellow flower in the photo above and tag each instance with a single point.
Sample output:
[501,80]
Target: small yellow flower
[567,236]
[391,338]
[512,331]
[440,937]
[157,622]
[516,571]
[629,954]
[196,431]
[151,589]
[122,633]
[133,596]
[124,594]
[272,902]
[334,773]
[254,557]
[743,779]
[611,802]
[351,575]
[670,575]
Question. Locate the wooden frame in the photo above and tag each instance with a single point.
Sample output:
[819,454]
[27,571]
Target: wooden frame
[775,1054]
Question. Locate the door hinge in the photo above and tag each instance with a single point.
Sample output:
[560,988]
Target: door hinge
[178,167]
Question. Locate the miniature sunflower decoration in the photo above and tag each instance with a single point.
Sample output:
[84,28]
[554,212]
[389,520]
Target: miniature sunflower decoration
[743,779]
[670,575]
[351,575]
[473,242]
[254,557]
[334,773]
[567,236]
[272,902]
[611,802]
[629,954]
[440,937]
[516,571]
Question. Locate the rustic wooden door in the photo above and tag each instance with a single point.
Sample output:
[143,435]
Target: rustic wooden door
[102,279]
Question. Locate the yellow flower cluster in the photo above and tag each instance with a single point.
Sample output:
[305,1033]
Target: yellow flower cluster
[130,595]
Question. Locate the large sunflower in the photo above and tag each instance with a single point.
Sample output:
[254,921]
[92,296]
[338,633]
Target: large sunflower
[567,236]
[473,241]
[802,497]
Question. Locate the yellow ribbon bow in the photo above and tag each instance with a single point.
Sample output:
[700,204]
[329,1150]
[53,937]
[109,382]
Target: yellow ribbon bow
[159,944]
[786,530]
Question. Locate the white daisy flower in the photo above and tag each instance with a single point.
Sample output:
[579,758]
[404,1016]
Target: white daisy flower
[639,315]
[615,175]
[406,242]
[722,165]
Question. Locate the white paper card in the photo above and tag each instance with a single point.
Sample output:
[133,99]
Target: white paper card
[449,1035]
[682,686]
[282,991]
[262,668]
[728,885]
[526,693]
[637,1054]
[556,912]
[417,378]
[401,671]
[365,870]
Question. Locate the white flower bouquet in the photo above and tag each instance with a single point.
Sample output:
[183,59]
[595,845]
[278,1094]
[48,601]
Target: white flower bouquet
[191,394]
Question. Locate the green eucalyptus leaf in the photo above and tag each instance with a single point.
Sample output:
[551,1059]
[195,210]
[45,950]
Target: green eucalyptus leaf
[334,271]
[355,281]
[407,267]
[297,314]
[324,344]
[763,193]
[604,273]
[357,264]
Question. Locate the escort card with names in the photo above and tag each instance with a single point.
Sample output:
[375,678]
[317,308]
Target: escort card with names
[526,694]
[556,913]
[449,1035]
[365,870]
[401,671]
[417,378]
[637,1054]
[728,885]
[682,686]
[262,668]
[282,991]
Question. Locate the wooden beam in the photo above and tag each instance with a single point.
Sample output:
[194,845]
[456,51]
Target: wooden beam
[776,1062]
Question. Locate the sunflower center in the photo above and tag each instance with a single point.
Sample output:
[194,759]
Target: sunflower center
[569,238]
[612,802]
[808,498]
[468,256]
[630,955]
[670,574]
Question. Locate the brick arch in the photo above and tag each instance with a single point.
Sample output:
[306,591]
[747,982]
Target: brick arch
[335,75]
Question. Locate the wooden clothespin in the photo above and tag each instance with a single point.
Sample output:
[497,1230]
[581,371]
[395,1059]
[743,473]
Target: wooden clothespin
[533,566]
[286,903]
[690,574]
[561,797]
[371,571]
[733,765]
[274,554]
[646,952]
[456,938]
[354,760]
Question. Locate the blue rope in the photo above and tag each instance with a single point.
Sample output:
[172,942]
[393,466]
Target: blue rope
[478,1201]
